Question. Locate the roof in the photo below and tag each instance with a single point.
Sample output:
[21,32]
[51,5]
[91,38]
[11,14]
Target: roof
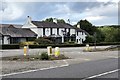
[11,25]
[16,32]
[43,24]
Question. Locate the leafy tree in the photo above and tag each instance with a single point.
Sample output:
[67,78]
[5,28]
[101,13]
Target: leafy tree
[89,39]
[60,21]
[111,34]
[100,37]
[87,26]
[49,20]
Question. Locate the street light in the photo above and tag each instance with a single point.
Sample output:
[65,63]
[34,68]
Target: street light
[95,40]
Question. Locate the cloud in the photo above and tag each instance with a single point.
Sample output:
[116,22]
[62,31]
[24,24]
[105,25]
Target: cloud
[10,11]
[93,18]
[95,12]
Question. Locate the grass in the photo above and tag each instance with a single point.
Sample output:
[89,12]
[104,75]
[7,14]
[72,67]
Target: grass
[36,57]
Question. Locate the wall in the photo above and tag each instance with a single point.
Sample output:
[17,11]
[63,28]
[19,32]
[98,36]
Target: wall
[6,40]
[0,40]
[80,37]
[72,31]
[54,31]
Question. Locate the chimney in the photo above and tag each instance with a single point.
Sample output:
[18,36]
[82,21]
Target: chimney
[54,20]
[29,18]
[78,25]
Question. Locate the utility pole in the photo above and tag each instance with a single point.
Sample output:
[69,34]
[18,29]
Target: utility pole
[95,40]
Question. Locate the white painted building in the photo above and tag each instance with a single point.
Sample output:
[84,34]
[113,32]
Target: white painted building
[65,30]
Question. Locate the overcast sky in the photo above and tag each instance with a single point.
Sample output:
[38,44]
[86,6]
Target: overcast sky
[98,13]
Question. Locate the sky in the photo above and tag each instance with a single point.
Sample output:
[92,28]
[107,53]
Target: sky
[98,12]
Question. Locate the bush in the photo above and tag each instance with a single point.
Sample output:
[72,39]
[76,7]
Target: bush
[44,56]
[60,57]
[10,46]
[26,43]
[43,41]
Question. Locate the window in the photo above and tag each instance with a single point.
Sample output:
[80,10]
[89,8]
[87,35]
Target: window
[50,31]
[77,33]
[43,31]
[82,33]
[65,29]
[57,31]
[77,40]
[69,30]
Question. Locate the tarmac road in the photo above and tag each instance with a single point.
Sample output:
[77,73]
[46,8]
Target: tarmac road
[80,71]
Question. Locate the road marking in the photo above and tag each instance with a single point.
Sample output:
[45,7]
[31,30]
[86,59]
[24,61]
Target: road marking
[101,74]
[114,57]
[52,67]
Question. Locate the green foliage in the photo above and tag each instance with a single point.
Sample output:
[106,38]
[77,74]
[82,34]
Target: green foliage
[10,46]
[44,56]
[60,57]
[111,34]
[60,21]
[100,37]
[49,20]
[27,43]
[41,40]
[89,39]
[87,26]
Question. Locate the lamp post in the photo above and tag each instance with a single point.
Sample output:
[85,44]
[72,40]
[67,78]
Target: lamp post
[95,40]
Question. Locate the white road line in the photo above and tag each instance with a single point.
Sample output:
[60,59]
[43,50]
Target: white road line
[66,64]
[101,74]
[113,57]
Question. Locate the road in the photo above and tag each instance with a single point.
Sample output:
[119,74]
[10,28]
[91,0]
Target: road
[14,52]
[80,71]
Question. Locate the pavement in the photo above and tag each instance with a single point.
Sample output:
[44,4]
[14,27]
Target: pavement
[95,60]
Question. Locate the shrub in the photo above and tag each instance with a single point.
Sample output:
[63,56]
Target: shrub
[44,56]
[10,46]
[60,57]
[27,43]
[43,41]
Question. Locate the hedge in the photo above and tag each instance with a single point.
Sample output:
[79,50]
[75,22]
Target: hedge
[10,46]
[17,46]
[105,43]
[56,45]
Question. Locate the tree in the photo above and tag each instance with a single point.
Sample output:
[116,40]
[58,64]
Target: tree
[111,34]
[49,20]
[100,37]
[60,21]
[87,26]
[89,39]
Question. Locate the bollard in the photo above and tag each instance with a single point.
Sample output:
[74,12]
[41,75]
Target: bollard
[25,50]
[57,51]
[49,50]
[87,47]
